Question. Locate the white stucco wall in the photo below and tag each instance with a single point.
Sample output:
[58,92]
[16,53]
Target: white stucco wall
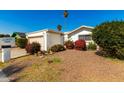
[34,34]
[54,38]
[75,37]
[46,38]
[40,37]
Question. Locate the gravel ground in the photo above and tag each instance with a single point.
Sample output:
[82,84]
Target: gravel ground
[76,66]
[87,66]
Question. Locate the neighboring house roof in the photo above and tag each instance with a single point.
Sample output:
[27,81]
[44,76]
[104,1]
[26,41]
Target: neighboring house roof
[81,27]
[20,34]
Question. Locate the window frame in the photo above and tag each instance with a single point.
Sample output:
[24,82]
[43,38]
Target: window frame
[84,37]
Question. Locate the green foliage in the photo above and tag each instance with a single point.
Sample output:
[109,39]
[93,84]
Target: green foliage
[4,35]
[56,60]
[110,37]
[53,59]
[69,44]
[57,48]
[21,42]
[59,27]
[92,46]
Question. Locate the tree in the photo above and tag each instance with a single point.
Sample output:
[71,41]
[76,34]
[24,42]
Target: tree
[21,42]
[65,14]
[59,27]
[110,37]
[4,35]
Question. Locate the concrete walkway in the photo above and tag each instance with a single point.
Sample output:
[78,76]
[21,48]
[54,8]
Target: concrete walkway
[3,77]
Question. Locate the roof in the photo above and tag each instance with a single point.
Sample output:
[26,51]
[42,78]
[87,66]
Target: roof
[83,26]
[45,30]
[19,33]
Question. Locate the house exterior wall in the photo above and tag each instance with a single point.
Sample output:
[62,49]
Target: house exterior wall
[46,39]
[65,37]
[75,36]
[39,37]
[35,34]
[54,38]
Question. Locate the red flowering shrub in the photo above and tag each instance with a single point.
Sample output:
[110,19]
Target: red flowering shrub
[28,48]
[80,44]
[33,48]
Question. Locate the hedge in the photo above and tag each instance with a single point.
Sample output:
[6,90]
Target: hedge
[21,42]
[110,37]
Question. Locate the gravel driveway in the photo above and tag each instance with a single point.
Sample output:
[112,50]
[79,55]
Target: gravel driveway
[16,52]
[75,66]
[87,66]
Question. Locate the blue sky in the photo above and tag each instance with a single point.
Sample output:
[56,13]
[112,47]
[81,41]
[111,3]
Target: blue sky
[32,20]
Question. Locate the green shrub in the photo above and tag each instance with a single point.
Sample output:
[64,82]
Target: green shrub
[92,46]
[21,42]
[33,48]
[110,37]
[69,44]
[57,48]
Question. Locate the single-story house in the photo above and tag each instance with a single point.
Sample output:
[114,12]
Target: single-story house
[82,32]
[46,38]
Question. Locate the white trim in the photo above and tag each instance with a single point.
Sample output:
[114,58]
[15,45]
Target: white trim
[37,31]
[45,41]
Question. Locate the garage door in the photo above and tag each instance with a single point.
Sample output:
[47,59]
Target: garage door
[38,39]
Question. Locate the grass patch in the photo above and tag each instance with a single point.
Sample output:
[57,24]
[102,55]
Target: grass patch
[53,59]
[2,65]
[56,60]
[40,72]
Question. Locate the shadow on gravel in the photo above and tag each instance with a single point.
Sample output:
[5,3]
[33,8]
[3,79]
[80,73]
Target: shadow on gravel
[12,69]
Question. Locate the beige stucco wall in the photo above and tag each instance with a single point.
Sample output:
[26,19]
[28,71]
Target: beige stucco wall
[46,38]
[54,38]
[75,35]
[38,39]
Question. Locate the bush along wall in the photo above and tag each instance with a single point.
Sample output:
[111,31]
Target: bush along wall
[91,46]
[69,44]
[57,48]
[110,37]
[21,42]
[33,48]
[80,44]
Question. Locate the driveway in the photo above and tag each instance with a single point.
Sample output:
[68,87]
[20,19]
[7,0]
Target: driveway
[15,52]
[74,66]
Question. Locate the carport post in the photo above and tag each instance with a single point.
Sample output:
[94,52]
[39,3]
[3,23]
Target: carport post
[6,55]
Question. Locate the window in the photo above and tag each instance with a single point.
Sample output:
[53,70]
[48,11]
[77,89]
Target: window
[85,37]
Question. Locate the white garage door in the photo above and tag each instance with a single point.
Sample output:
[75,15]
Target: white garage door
[38,39]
